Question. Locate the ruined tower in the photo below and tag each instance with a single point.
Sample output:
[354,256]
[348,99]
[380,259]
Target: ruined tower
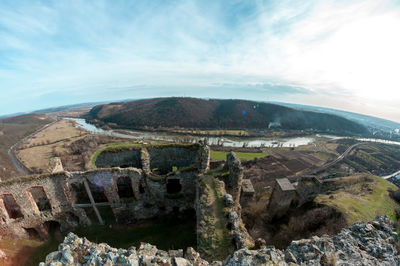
[235,178]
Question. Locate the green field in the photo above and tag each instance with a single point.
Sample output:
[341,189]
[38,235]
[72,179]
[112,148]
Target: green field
[244,156]
[359,204]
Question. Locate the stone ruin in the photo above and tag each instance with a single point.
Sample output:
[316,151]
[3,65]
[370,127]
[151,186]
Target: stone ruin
[29,205]
[287,195]
[135,183]
[146,182]
[235,178]
[372,243]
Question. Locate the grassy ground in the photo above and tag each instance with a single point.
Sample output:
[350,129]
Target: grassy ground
[357,202]
[19,251]
[245,156]
[215,241]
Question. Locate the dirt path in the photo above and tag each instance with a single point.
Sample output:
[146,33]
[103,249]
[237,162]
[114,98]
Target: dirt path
[11,152]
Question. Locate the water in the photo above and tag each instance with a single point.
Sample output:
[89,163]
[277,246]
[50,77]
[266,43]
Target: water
[383,141]
[224,141]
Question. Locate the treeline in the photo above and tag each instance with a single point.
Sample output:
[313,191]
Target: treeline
[217,114]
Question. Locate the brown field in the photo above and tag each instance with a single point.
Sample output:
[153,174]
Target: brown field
[36,151]
[62,139]
[12,130]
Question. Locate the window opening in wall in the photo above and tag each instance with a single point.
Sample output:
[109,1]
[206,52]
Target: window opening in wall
[174,186]
[40,198]
[98,193]
[12,208]
[124,187]
[79,193]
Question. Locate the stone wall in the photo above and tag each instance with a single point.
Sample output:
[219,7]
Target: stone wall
[235,177]
[157,158]
[165,158]
[282,197]
[61,208]
[286,195]
[124,158]
[131,193]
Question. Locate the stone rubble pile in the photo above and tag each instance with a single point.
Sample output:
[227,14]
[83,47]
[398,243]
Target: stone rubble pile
[372,243]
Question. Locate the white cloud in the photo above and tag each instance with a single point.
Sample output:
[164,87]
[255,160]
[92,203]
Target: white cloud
[345,52]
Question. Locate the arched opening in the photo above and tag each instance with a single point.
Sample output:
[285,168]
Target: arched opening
[174,186]
[40,198]
[32,233]
[124,187]
[12,207]
[54,229]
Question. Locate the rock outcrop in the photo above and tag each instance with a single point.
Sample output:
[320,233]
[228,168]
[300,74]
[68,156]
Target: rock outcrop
[372,243]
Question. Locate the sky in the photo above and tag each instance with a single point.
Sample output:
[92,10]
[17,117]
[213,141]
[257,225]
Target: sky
[341,54]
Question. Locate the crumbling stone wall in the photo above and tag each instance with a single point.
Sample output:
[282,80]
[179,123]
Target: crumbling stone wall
[32,217]
[204,159]
[164,158]
[124,158]
[55,165]
[372,243]
[308,188]
[67,194]
[282,197]
[235,178]
[286,194]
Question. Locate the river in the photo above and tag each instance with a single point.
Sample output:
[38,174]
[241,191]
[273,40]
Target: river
[224,141]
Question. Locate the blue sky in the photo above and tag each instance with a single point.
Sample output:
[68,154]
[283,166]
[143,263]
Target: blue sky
[339,54]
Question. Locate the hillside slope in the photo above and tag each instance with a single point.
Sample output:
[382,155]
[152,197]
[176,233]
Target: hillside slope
[217,114]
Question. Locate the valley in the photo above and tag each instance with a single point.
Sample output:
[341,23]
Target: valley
[344,164]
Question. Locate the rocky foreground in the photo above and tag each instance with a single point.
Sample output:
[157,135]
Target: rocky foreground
[372,243]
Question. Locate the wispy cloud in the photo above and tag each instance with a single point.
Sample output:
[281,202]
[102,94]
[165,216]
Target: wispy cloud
[341,54]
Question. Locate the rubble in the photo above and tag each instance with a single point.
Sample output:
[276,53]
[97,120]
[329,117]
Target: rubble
[372,243]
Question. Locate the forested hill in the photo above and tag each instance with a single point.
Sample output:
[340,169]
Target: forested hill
[217,114]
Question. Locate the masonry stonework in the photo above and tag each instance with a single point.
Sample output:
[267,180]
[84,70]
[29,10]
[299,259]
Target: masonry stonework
[131,193]
[235,177]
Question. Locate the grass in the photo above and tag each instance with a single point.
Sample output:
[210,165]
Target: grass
[356,203]
[42,251]
[244,156]
[18,251]
[215,240]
